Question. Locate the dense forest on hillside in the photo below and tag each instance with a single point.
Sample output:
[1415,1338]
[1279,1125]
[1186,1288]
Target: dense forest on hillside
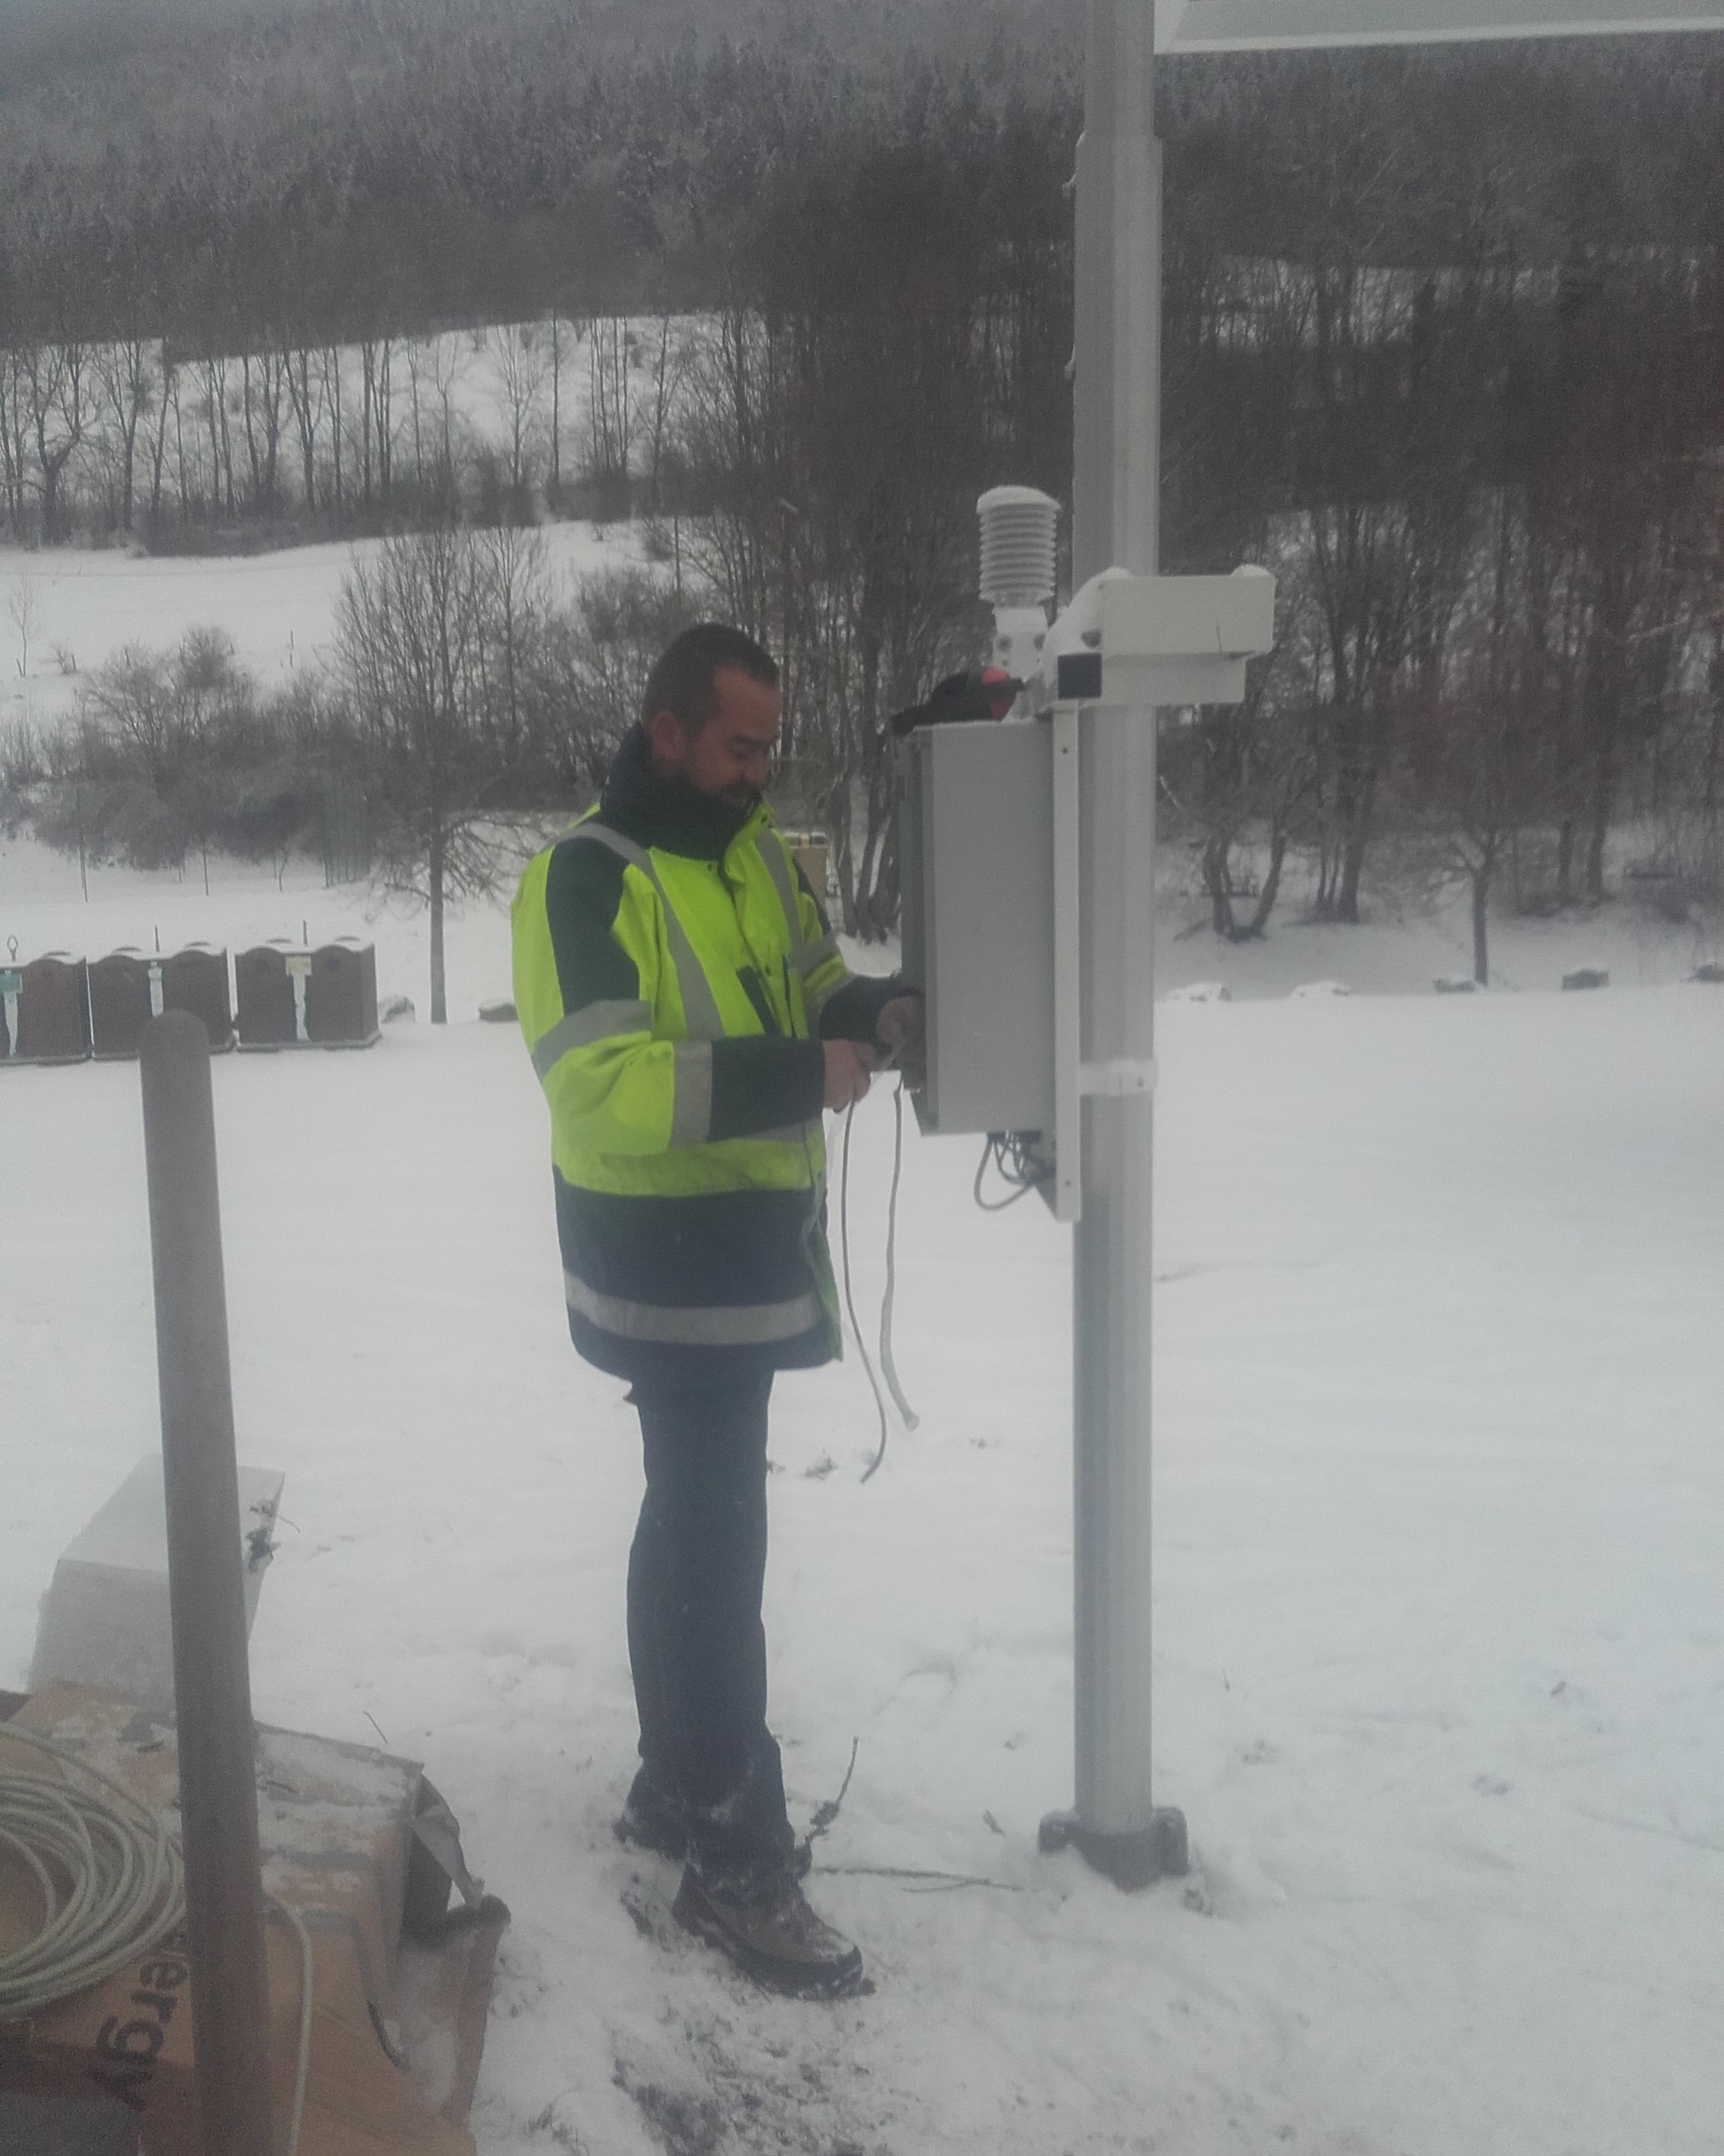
[1443,343]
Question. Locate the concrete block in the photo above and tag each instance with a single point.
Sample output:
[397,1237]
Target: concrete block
[105,1619]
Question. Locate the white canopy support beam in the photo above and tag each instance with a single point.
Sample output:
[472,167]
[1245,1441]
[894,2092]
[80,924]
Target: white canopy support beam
[1267,26]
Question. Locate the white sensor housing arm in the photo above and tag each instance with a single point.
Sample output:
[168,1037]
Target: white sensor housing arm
[1144,642]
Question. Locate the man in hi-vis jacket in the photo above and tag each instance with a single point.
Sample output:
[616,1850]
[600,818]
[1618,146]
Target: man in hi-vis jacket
[690,1017]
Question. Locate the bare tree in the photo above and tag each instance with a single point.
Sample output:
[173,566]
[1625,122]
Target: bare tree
[520,356]
[308,400]
[610,410]
[58,385]
[669,369]
[128,373]
[13,438]
[25,606]
[1242,777]
[511,566]
[410,637]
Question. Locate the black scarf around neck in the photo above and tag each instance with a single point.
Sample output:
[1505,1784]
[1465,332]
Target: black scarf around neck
[653,810]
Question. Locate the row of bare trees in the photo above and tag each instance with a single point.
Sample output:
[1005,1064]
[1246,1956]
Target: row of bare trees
[1498,529]
[140,438]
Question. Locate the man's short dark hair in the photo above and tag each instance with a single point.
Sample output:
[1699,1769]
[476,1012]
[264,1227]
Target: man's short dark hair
[684,682]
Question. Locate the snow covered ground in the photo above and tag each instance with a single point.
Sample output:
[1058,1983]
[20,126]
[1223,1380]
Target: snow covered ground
[1441,1608]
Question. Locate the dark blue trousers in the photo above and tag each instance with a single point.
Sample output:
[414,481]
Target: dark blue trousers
[697,1646]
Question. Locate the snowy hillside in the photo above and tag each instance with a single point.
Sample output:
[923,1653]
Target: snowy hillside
[278,610]
[1441,1627]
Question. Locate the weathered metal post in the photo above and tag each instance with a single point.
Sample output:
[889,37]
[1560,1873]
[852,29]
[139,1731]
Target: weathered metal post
[212,1685]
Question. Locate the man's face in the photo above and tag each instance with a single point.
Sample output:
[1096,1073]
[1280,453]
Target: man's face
[730,759]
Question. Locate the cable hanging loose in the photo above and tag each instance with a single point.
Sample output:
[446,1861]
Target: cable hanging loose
[887,1363]
[1015,1157]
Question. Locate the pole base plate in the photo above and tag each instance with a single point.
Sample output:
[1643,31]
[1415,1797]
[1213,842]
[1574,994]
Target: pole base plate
[1134,1860]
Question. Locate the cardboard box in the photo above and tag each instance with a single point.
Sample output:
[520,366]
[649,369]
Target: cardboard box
[335,1824]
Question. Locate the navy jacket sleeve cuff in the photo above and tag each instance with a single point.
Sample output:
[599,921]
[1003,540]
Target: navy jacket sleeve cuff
[853,1011]
[762,1082]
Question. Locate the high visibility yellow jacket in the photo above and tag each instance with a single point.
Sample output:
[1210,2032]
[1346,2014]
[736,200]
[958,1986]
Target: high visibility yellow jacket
[674,976]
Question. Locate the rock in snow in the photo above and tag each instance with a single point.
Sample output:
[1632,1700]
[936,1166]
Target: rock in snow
[1587,976]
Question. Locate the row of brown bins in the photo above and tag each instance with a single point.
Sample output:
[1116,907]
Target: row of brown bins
[58,1009]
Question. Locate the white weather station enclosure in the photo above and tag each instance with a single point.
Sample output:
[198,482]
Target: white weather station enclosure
[1028,845]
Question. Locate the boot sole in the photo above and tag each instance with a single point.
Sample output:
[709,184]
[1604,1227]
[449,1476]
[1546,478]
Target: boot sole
[843,1982]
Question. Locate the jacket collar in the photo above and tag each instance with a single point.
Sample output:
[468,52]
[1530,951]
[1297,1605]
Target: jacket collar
[645,805]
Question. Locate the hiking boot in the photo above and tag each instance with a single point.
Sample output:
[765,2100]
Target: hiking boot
[765,1927]
[652,1818]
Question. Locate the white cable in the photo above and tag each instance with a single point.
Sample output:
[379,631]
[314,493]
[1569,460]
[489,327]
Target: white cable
[110,1879]
[112,1886]
[911,1418]
[849,1294]
[912,1421]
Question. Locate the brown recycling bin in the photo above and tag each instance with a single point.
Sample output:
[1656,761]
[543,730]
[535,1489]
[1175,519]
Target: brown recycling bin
[341,996]
[54,1011]
[267,1017]
[120,1005]
[812,852]
[196,980]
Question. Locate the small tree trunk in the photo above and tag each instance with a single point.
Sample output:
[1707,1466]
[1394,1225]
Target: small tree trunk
[1215,882]
[1267,897]
[439,996]
[1480,908]
[1603,789]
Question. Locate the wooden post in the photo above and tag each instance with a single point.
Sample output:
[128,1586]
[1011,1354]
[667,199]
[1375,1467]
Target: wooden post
[212,1685]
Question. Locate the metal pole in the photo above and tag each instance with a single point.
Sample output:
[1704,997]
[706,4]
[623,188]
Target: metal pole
[1115,513]
[213,1688]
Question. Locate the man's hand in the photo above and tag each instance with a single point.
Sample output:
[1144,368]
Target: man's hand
[848,1063]
[899,1030]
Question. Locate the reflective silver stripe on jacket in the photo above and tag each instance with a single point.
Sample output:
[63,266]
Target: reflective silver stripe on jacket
[699,1005]
[748,1324]
[805,957]
[594,1022]
[817,954]
[770,848]
[691,1100]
